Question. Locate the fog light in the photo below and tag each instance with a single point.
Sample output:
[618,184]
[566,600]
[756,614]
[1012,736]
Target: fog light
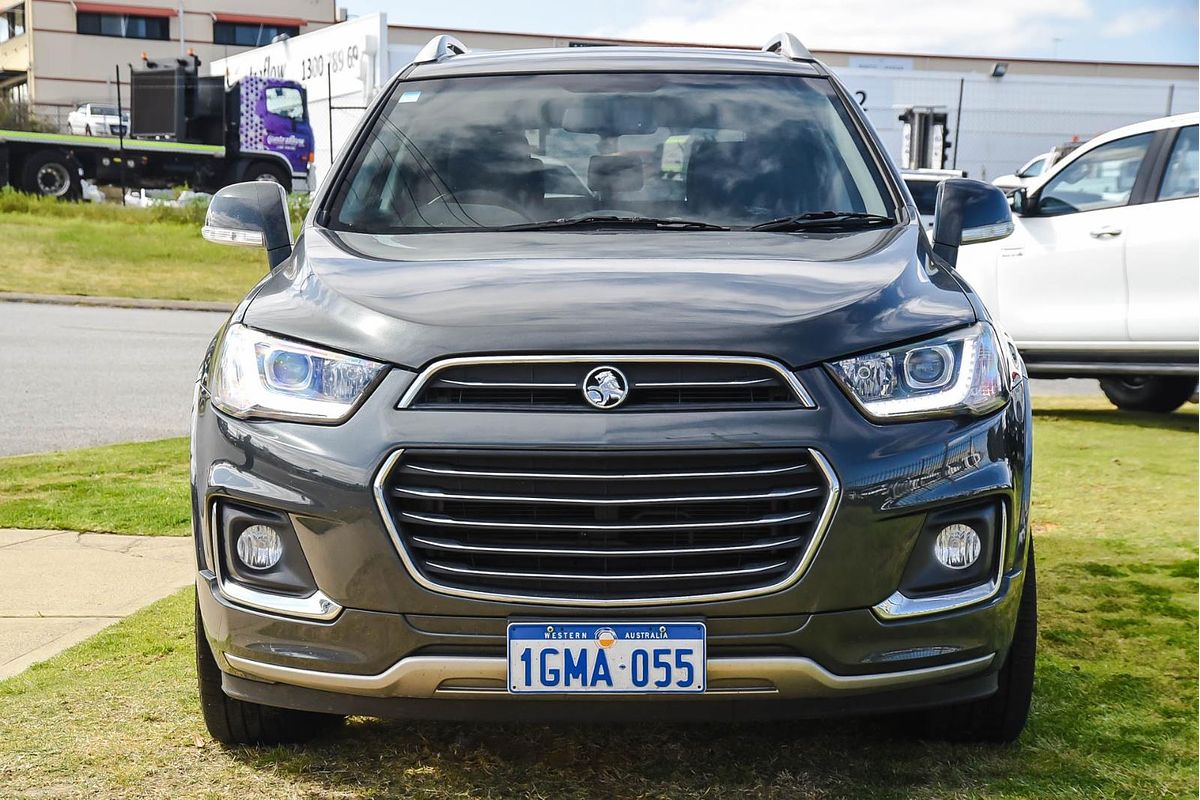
[259,547]
[957,546]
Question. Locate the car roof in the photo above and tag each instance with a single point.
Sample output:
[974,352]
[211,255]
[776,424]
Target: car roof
[613,59]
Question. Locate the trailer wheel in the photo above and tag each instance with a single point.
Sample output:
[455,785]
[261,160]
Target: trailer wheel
[52,173]
[269,171]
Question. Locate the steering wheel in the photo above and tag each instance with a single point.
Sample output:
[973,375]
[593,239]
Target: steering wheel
[481,197]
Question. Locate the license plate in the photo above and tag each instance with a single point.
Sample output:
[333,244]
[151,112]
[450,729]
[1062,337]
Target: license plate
[599,658]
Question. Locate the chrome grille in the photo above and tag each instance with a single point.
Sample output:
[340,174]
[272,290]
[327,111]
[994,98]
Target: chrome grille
[659,383]
[607,526]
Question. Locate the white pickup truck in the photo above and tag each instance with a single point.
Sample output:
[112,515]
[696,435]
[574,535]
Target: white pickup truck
[1100,277]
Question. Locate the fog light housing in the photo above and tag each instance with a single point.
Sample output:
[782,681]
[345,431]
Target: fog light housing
[957,546]
[259,547]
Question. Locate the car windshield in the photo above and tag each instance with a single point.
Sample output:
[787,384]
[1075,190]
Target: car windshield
[104,111]
[488,153]
[1033,168]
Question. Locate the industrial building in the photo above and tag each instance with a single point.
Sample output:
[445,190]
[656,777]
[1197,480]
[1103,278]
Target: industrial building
[55,54]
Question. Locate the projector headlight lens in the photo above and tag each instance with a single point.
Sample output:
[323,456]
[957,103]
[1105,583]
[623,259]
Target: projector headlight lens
[963,372]
[258,375]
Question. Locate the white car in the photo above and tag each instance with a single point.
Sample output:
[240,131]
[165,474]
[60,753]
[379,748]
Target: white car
[1100,277]
[97,119]
[1022,177]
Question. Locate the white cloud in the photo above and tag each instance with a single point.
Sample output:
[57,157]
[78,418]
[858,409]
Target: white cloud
[946,26]
[1134,22]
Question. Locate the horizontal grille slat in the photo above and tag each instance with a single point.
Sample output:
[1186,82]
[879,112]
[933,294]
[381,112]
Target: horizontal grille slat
[689,383]
[639,576]
[647,476]
[774,494]
[779,519]
[552,551]
[606,525]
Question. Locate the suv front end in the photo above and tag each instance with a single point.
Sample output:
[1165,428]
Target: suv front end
[480,459]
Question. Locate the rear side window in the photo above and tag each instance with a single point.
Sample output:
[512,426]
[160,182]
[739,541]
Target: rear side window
[1100,178]
[1182,176]
[479,153]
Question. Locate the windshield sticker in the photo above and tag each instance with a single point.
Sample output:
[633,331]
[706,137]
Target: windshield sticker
[410,97]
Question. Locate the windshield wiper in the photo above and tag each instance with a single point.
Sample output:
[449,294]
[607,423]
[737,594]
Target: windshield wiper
[824,220]
[614,220]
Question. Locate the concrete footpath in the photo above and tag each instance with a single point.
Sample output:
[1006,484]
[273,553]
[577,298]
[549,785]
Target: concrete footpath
[61,587]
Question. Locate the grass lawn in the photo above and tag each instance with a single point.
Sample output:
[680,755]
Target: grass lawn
[1115,502]
[125,488]
[126,254]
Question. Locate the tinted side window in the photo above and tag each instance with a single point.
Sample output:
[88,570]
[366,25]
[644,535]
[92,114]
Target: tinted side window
[1182,176]
[1100,178]
[250,34]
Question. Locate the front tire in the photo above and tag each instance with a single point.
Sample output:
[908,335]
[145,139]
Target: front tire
[1160,394]
[1001,717]
[237,722]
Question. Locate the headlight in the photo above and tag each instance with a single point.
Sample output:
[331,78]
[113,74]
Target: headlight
[259,375]
[963,372]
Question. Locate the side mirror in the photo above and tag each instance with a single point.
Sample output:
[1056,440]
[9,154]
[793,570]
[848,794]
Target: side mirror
[251,214]
[1018,201]
[968,212]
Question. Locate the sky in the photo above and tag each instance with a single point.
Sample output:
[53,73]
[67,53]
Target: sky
[1099,30]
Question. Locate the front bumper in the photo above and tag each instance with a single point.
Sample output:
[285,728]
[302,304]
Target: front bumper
[380,642]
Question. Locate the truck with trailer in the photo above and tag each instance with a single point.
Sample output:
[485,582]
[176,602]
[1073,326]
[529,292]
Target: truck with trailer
[185,128]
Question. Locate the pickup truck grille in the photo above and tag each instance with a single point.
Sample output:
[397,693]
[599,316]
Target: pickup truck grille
[607,526]
[662,384]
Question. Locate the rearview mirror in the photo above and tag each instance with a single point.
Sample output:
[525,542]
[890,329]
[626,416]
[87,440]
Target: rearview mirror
[968,212]
[251,214]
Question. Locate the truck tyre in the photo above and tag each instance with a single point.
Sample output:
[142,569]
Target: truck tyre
[52,173]
[236,722]
[1158,393]
[1001,717]
[269,171]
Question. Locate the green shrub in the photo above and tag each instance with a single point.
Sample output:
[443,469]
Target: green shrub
[190,213]
[20,117]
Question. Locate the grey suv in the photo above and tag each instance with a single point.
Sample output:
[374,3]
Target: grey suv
[718,433]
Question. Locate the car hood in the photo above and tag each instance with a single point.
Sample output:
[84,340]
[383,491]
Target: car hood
[800,299]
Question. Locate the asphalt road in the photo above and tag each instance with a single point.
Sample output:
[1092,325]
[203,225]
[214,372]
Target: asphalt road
[76,376]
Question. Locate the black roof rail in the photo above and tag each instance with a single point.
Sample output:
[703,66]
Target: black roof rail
[788,46]
[440,48]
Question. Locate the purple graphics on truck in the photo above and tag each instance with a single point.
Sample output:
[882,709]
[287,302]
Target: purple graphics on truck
[274,117]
